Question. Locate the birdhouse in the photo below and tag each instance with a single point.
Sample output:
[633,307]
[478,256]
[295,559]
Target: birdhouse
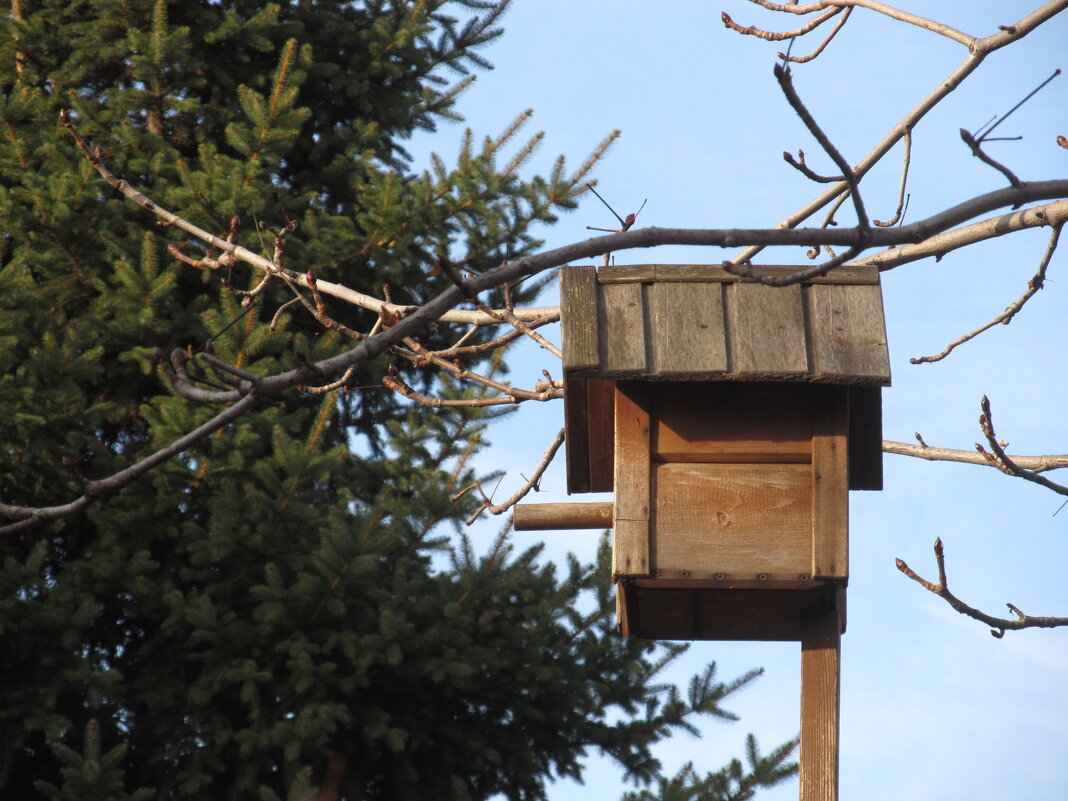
[729,418]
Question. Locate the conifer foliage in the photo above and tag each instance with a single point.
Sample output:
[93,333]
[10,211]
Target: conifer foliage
[262,617]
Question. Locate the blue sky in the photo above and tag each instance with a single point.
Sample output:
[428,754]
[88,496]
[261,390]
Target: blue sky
[931,703]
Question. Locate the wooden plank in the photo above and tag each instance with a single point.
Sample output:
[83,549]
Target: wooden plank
[621,335]
[848,333]
[626,273]
[739,521]
[830,482]
[630,529]
[865,438]
[578,318]
[716,273]
[736,422]
[544,516]
[821,654]
[767,331]
[686,329]
[600,421]
[576,435]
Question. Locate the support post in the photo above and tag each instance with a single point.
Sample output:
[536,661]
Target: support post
[821,655]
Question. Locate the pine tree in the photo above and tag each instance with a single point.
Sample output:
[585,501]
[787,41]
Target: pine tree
[261,617]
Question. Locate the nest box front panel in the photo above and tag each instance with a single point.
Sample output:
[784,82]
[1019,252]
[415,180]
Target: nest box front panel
[731,482]
[731,521]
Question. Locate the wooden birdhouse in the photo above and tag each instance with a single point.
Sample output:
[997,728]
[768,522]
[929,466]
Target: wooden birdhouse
[730,419]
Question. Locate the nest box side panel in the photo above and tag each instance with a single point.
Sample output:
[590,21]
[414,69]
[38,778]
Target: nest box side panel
[865,438]
[588,402]
[830,482]
[630,527]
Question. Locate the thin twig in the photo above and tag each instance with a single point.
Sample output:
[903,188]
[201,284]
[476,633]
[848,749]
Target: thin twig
[998,625]
[980,154]
[985,135]
[822,46]
[1002,461]
[1036,283]
[782,74]
[771,36]
[531,483]
[901,202]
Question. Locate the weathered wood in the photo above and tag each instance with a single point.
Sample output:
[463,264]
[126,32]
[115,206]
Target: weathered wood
[820,698]
[686,329]
[731,422]
[626,273]
[577,450]
[767,331]
[543,516]
[865,438]
[830,482]
[630,528]
[739,521]
[692,273]
[578,317]
[600,419]
[848,333]
[622,329]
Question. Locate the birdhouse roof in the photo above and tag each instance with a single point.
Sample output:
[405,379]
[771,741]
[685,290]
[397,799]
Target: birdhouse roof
[700,322]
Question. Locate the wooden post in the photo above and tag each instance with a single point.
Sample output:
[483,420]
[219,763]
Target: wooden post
[821,654]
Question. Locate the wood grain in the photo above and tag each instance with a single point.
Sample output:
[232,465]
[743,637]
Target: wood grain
[820,699]
[715,273]
[630,529]
[622,329]
[848,333]
[735,422]
[686,335]
[830,483]
[578,318]
[544,516]
[767,331]
[742,521]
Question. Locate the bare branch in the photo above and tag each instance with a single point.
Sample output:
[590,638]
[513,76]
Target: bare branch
[752,30]
[980,154]
[28,516]
[1002,461]
[1035,464]
[800,165]
[782,74]
[873,5]
[522,492]
[823,45]
[1036,283]
[979,49]
[999,625]
[901,198]
[1052,214]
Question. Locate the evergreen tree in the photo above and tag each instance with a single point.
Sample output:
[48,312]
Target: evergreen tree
[260,617]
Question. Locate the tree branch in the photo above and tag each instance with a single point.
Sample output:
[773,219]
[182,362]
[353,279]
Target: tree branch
[29,516]
[999,625]
[1036,283]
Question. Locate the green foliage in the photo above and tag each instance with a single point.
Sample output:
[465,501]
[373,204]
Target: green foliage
[262,615]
